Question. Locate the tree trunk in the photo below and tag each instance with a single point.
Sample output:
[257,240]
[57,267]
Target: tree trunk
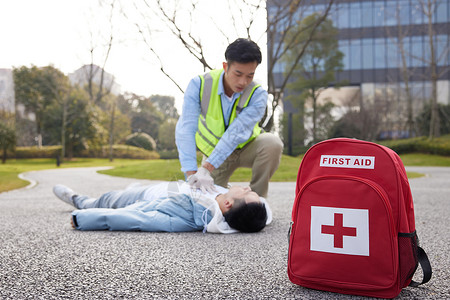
[111,132]
[63,131]
[314,118]
[4,156]
[38,130]
[434,120]
[409,99]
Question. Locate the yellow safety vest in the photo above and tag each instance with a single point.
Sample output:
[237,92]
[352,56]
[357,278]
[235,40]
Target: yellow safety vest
[211,123]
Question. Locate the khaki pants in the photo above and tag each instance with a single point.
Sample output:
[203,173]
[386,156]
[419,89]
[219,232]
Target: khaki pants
[262,155]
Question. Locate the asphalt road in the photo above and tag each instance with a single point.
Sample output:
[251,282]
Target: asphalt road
[42,257]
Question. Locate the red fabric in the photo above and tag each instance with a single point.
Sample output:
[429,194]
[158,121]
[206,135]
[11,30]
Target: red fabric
[357,177]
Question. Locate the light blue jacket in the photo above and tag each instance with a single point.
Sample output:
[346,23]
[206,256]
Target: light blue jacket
[172,214]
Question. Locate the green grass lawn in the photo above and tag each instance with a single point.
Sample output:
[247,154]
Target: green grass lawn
[170,169]
[420,159]
[13,167]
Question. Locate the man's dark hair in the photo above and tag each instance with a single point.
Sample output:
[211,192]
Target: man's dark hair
[245,217]
[243,51]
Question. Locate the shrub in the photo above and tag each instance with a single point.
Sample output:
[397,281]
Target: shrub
[168,154]
[119,151]
[438,146]
[35,152]
[141,140]
[7,140]
[423,119]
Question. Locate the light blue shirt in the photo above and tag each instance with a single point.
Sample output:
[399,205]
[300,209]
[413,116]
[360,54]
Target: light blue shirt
[237,132]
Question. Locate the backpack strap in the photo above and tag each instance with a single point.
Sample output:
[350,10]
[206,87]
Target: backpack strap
[426,267]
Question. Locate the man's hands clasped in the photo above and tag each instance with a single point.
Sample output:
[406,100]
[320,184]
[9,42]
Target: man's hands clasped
[202,180]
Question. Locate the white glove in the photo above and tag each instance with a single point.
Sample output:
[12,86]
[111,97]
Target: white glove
[202,180]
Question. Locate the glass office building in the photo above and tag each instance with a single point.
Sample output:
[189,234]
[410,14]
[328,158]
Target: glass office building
[373,35]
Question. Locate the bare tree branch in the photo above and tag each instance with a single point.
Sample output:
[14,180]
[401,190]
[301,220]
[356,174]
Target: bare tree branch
[428,8]
[286,14]
[143,33]
[179,19]
[101,92]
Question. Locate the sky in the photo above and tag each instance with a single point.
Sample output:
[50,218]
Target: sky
[58,33]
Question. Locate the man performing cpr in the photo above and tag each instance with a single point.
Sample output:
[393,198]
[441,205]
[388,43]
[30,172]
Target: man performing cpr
[220,117]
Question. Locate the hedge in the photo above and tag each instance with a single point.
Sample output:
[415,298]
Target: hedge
[34,152]
[168,154]
[119,151]
[438,146]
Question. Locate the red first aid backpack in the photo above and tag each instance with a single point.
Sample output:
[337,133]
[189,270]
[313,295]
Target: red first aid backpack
[352,229]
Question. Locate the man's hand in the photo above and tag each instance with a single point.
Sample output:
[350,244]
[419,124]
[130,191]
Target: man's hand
[202,180]
[71,222]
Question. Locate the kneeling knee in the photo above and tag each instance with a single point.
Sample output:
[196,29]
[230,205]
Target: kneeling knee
[272,145]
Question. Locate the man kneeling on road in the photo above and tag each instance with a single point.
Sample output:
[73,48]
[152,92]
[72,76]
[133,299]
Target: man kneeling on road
[169,206]
[220,117]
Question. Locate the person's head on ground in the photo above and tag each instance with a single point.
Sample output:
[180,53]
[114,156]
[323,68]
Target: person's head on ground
[242,209]
[242,57]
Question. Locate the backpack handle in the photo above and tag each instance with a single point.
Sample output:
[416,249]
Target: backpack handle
[426,267]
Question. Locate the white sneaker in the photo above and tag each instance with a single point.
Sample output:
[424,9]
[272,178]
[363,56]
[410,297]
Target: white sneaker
[64,193]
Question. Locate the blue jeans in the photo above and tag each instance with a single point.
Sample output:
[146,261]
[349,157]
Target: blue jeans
[113,199]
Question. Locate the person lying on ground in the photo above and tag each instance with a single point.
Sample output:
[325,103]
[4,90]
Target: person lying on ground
[170,207]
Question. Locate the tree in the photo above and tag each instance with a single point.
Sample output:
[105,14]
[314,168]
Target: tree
[7,140]
[237,19]
[316,69]
[26,89]
[424,119]
[82,127]
[118,124]
[285,36]
[166,134]
[37,89]
[357,121]
[429,7]
[101,44]
[56,85]
[144,115]
[294,141]
[166,105]
[399,37]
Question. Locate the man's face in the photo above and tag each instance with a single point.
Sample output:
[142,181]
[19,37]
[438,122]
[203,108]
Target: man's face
[235,194]
[238,76]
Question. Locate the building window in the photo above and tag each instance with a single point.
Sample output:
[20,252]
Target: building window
[380,53]
[417,51]
[355,15]
[319,8]
[345,49]
[355,54]
[378,13]
[393,58]
[334,16]
[443,12]
[416,13]
[343,15]
[404,9]
[391,13]
[367,14]
[407,50]
[443,48]
[368,55]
